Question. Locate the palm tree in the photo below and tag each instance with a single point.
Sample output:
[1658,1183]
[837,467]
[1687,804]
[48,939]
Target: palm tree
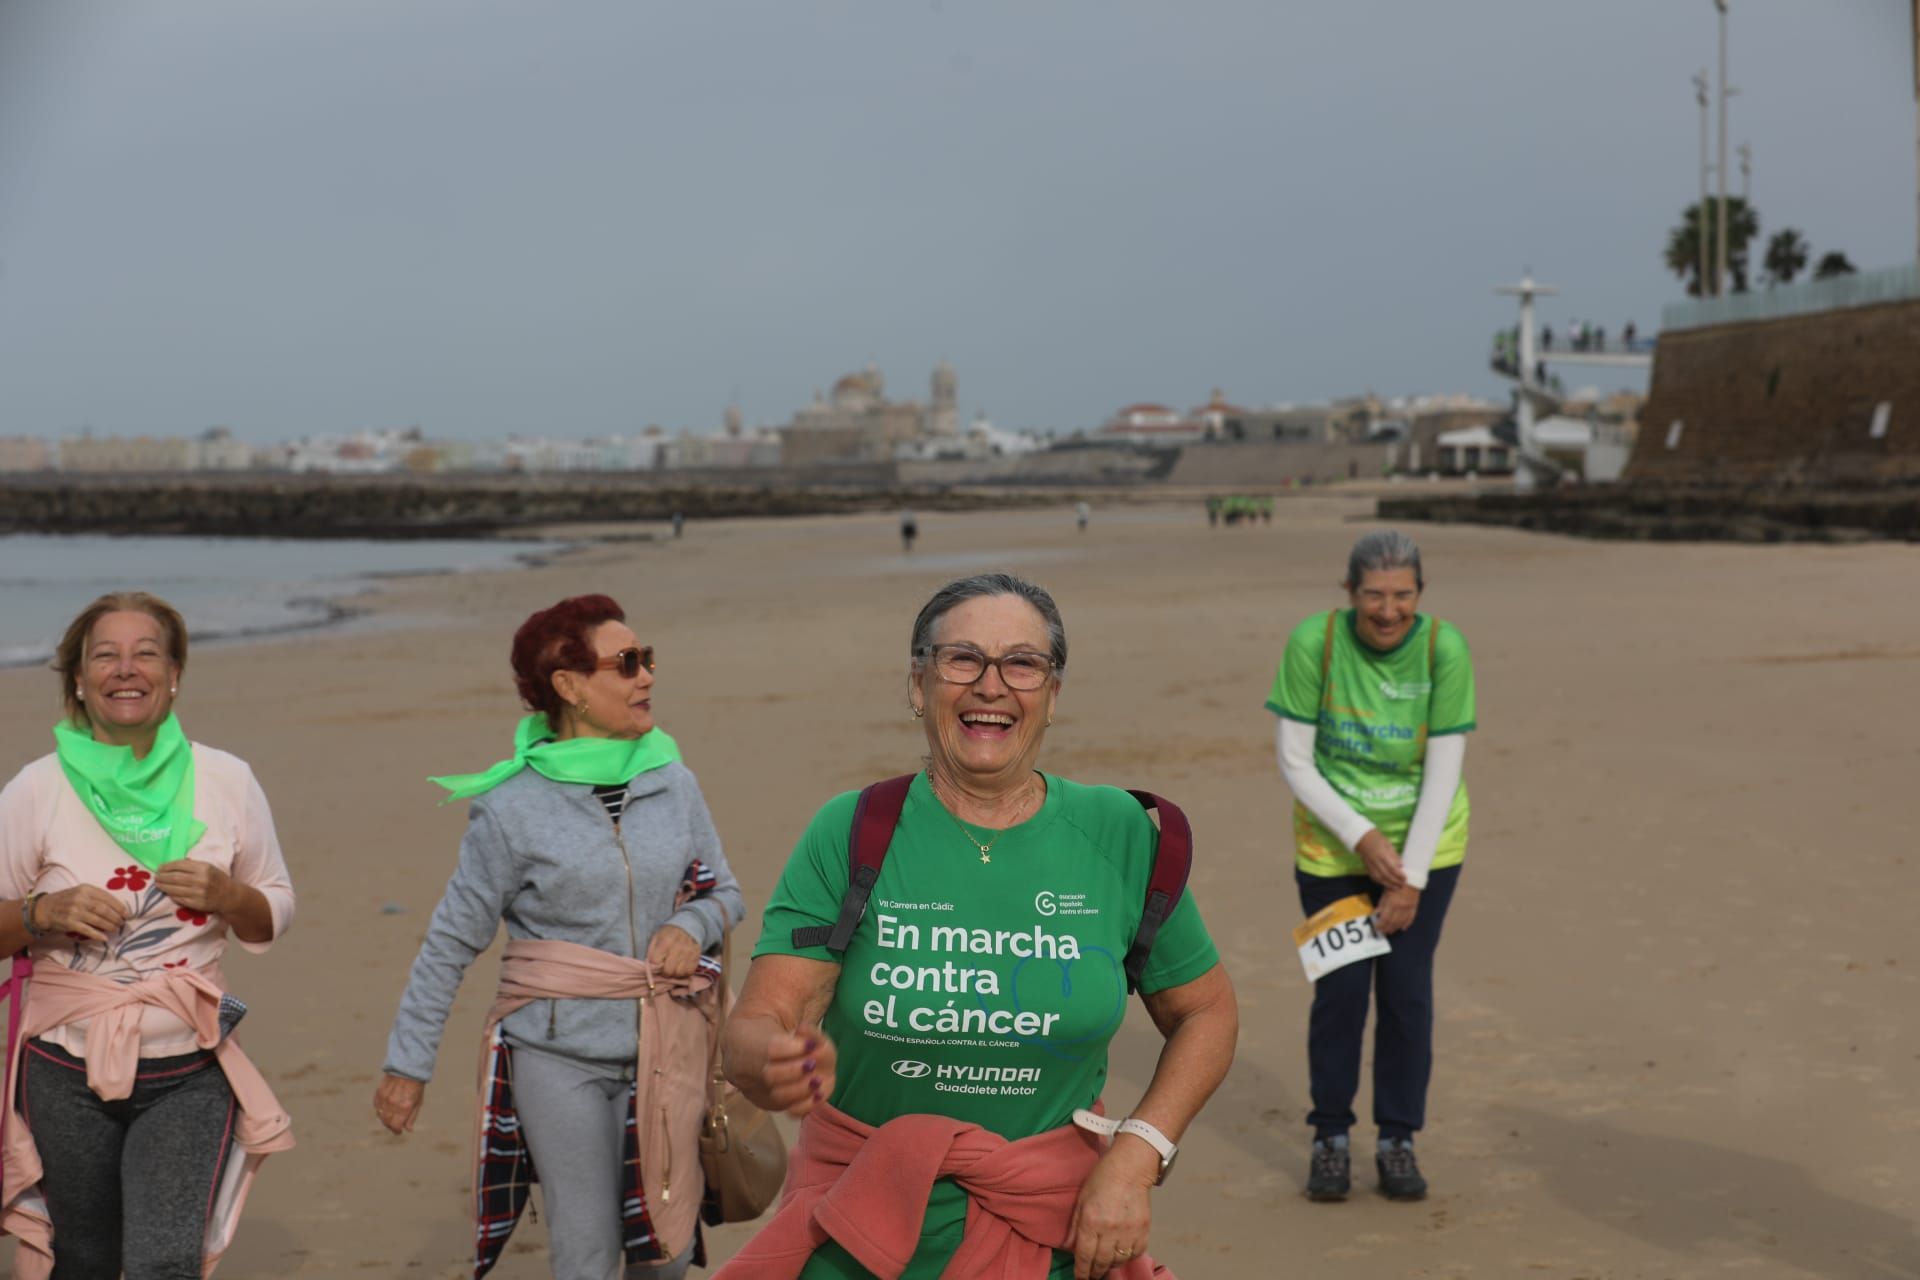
[1787,254]
[1831,265]
[1683,242]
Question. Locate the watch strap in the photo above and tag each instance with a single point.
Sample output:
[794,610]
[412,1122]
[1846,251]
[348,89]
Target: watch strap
[1149,1134]
[1139,1128]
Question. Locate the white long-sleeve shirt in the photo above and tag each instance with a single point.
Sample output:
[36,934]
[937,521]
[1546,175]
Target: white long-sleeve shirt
[1440,779]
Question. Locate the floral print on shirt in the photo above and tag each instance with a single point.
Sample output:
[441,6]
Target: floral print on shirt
[152,918]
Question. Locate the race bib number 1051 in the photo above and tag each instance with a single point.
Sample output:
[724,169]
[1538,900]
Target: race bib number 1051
[1337,935]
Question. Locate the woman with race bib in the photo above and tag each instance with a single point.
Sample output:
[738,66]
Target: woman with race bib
[948,1052]
[1375,702]
[128,857]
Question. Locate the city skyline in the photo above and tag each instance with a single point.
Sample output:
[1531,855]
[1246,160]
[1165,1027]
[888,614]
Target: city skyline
[486,221]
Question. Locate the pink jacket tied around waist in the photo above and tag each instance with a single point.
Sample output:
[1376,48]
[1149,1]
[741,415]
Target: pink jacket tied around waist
[866,1189]
[56,996]
[662,1184]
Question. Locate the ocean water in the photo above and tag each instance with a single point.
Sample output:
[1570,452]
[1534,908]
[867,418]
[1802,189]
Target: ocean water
[224,587]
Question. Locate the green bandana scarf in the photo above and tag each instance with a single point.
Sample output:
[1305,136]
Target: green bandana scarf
[145,805]
[600,762]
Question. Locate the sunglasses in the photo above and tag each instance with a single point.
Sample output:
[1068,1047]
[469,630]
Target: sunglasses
[627,662]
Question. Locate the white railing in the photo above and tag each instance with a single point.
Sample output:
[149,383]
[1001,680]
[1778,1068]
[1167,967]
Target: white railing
[1863,289]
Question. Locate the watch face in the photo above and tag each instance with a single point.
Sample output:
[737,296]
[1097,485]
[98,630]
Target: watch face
[1166,1166]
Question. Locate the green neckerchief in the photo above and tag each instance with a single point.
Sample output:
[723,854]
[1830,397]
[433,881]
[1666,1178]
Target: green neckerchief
[145,805]
[601,762]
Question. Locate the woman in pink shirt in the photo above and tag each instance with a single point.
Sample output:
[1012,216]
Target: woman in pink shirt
[134,1123]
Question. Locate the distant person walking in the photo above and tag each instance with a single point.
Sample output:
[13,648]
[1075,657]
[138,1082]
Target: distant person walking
[679,521]
[1375,702]
[909,530]
[1546,337]
[1080,513]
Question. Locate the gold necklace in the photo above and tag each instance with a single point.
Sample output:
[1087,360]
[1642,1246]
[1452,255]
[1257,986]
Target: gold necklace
[972,841]
[985,859]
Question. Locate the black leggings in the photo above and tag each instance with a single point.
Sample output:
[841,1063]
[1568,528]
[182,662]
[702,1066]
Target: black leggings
[128,1183]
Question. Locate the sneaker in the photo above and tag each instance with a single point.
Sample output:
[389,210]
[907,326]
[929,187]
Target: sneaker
[1331,1174]
[1399,1172]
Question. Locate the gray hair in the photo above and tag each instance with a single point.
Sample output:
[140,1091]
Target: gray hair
[1384,549]
[981,585]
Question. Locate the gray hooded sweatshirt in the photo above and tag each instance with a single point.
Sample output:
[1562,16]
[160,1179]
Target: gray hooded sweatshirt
[544,858]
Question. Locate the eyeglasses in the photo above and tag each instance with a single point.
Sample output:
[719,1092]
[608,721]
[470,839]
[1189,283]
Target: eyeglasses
[627,662]
[964,664]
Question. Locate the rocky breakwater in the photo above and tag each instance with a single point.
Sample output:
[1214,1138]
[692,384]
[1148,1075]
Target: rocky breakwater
[1678,514]
[426,507]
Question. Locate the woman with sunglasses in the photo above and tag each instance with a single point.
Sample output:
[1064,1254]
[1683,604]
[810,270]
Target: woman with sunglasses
[593,844]
[958,1041]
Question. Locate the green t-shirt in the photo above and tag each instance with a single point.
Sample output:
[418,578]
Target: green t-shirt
[1373,713]
[983,991]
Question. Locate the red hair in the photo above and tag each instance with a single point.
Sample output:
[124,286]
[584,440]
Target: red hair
[556,639]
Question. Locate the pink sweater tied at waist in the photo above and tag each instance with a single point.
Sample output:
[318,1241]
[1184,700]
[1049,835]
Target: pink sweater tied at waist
[55,996]
[674,1020]
[538,969]
[866,1189]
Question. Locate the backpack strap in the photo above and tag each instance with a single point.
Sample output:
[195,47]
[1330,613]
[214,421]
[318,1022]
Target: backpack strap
[1426,719]
[874,818]
[1172,860]
[1326,662]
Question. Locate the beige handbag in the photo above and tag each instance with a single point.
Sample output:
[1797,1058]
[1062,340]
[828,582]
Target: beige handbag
[741,1151]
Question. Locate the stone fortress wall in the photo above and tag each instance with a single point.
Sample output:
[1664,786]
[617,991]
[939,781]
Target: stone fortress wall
[1791,400]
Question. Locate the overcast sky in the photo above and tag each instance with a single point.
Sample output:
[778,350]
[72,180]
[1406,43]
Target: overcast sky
[585,216]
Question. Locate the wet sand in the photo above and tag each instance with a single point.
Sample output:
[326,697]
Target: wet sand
[1675,997]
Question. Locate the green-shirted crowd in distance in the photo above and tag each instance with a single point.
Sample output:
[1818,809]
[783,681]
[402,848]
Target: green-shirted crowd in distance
[1234,508]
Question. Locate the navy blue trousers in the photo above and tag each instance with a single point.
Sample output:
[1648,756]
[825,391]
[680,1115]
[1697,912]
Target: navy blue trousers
[1403,1028]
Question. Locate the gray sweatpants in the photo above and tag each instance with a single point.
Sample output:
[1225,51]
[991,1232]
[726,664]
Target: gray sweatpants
[574,1121]
[128,1183]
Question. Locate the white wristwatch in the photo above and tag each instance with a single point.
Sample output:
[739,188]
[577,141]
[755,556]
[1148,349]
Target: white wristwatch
[1140,1129]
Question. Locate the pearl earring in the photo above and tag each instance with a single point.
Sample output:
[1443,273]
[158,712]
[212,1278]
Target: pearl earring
[918,712]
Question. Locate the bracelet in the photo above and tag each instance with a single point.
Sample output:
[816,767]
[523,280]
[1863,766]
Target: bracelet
[26,915]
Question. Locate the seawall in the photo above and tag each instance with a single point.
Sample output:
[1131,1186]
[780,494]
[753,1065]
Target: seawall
[252,505]
[1785,401]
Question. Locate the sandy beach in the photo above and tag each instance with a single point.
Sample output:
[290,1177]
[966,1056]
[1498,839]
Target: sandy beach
[1675,1035]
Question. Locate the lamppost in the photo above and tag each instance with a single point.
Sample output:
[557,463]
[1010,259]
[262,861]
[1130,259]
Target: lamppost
[1720,271]
[1700,210]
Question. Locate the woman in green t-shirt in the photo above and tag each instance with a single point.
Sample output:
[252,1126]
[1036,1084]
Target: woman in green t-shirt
[981,986]
[1375,702]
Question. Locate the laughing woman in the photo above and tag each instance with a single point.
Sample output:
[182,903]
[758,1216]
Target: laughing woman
[126,858]
[1375,702]
[594,846]
[991,955]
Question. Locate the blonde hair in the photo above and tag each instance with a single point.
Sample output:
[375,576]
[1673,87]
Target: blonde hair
[71,655]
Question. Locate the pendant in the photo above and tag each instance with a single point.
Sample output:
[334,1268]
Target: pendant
[984,858]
